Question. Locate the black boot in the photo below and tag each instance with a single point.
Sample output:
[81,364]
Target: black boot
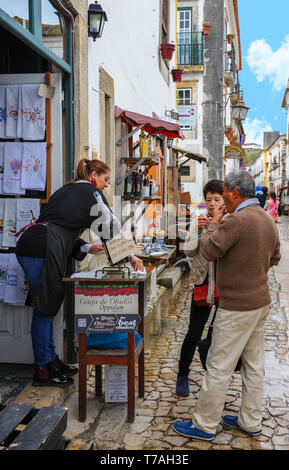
[64,368]
[50,376]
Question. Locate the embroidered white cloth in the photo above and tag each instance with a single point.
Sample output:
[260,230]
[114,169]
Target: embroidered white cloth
[2,111]
[12,110]
[2,210]
[2,144]
[33,174]
[19,127]
[33,113]
[15,287]
[3,273]
[13,152]
[9,225]
[27,211]
[21,290]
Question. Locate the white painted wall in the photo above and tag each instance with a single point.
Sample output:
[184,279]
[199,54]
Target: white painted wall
[129,52]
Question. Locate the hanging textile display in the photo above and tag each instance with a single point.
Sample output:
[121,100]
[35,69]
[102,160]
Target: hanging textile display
[33,113]
[3,273]
[21,289]
[12,111]
[15,291]
[33,174]
[13,152]
[2,144]
[27,212]
[2,111]
[9,225]
[2,209]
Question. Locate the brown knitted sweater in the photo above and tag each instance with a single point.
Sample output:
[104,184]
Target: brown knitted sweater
[246,244]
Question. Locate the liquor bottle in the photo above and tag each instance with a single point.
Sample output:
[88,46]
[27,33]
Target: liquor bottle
[146,186]
[133,182]
[151,186]
[138,183]
[150,147]
[143,146]
[128,185]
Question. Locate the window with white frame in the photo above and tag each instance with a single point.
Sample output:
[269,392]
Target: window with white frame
[186,109]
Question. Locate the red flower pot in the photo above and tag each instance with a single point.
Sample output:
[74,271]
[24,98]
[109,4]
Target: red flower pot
[206,28]
[177,75]
[167,51]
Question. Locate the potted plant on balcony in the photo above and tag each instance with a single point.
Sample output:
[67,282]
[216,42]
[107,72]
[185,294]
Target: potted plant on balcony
[206,28]
[229,133]
[167,51]
[177,75]
[230,38]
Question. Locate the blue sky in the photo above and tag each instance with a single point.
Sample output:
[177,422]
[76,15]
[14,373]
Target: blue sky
[264,29]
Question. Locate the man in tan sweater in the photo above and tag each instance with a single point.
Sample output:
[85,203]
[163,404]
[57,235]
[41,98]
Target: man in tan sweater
[245,244]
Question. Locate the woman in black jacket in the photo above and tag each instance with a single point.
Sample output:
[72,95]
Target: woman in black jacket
[43,251]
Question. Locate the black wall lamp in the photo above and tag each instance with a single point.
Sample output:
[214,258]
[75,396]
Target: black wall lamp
[96,20]
[170,143]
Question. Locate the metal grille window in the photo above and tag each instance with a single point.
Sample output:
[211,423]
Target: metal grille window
[185,170]
[190,43]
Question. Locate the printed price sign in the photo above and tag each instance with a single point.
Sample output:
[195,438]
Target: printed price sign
[120,247]
[106,309]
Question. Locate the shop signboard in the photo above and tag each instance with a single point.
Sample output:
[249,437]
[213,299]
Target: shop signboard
[234,152]
[106,309]
[187,115]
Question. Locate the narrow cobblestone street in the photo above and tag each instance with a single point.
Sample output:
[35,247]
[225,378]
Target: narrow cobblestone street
[161,406]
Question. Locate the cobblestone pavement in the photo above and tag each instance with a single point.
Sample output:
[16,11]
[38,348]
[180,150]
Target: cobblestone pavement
[166,327]
[161,406]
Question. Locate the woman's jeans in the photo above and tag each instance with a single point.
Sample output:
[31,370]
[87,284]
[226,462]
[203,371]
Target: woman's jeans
[198,319]
[42,325]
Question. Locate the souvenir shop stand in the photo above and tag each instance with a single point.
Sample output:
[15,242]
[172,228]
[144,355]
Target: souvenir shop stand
[115,302]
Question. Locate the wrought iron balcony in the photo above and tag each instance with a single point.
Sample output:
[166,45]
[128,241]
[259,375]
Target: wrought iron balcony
[229,66]
[190,48]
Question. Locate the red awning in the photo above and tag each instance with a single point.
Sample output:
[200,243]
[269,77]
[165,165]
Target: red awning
[151,125]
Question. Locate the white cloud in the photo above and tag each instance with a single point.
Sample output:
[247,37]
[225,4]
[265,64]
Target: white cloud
[254,130]
[268,64]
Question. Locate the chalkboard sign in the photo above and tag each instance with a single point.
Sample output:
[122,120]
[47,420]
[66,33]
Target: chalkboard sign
[106,309]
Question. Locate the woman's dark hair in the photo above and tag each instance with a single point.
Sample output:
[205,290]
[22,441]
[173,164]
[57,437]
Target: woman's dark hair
[213,186]
[265,190]
[273,196]
[85,167]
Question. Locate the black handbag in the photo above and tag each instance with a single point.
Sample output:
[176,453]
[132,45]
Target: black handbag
[204,345]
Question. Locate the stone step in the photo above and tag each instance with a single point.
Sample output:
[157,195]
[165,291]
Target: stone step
[169,277]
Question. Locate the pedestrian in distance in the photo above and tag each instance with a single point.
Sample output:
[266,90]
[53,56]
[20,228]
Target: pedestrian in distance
[272,204]
[44,250]
[245,244]
[263,197]
[199,276]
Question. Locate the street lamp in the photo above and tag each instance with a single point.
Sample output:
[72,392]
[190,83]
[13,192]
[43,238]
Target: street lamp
[240,110]
[96,20]
[170,143]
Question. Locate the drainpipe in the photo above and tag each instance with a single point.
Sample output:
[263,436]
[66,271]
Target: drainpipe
[265,168]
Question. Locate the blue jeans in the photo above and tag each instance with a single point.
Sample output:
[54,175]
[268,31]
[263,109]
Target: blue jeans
[42,325]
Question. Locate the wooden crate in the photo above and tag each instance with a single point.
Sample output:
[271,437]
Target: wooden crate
[23,427]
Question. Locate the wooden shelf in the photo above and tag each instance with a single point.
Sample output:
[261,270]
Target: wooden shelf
[148,161]
[135,198]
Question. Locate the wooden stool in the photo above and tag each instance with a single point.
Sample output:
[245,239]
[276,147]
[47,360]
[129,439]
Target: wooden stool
[99,357]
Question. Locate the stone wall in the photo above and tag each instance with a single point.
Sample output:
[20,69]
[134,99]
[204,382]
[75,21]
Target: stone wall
[213,133]
[80,63]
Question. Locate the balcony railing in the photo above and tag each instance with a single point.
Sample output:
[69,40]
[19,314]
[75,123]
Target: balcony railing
[230,59]
[190,48]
